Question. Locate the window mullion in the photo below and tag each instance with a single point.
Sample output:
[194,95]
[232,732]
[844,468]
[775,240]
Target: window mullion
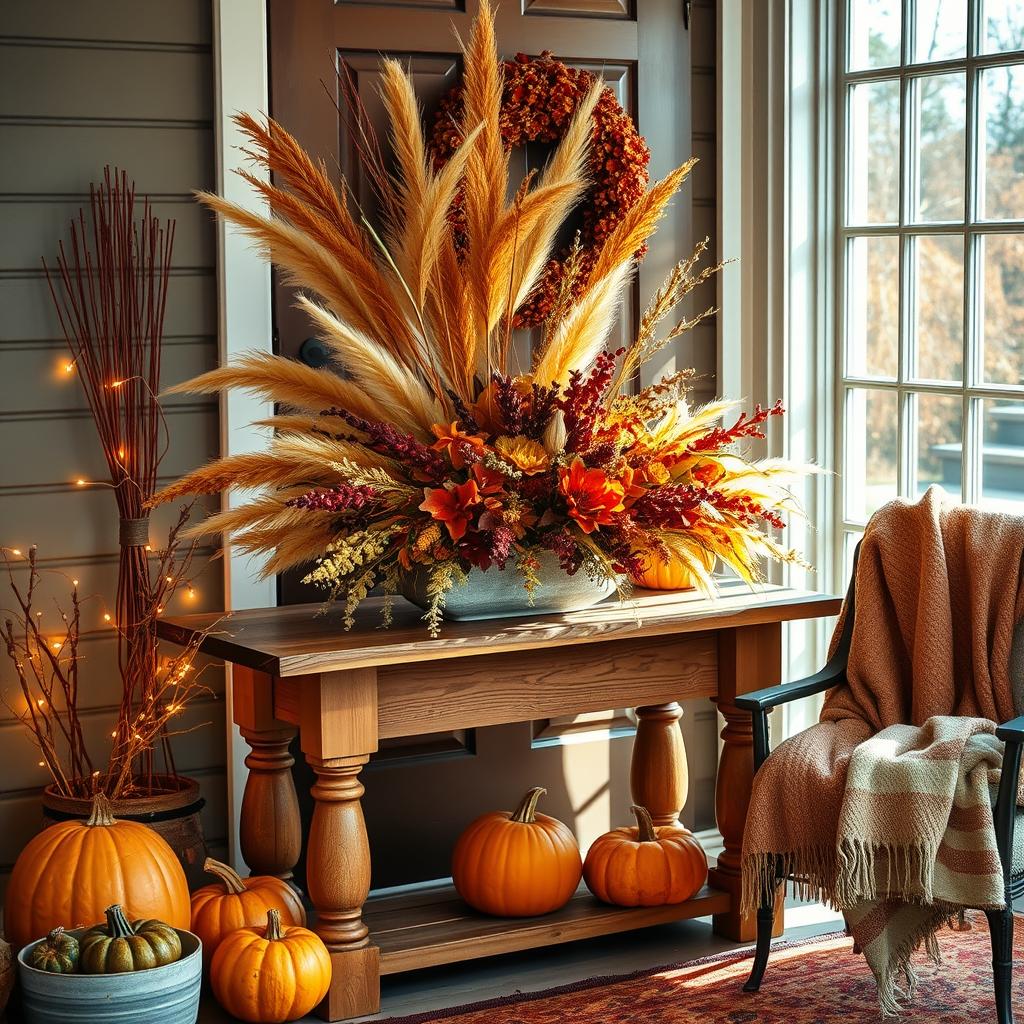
[908,172]
[970,445]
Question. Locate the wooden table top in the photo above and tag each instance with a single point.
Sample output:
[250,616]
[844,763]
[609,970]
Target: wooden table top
[304,639]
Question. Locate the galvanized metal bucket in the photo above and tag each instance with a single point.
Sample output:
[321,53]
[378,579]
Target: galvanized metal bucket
[162,995]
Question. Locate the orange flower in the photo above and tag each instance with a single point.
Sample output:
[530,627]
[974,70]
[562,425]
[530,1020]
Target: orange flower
[452,505]
[591,497]
[631,481]
[455,441]
[708,473]
[489,480]
[529,456]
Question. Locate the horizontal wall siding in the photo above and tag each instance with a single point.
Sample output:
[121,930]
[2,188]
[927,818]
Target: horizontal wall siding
[83,84]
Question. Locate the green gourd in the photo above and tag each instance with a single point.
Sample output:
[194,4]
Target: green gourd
[56,954]
[118,947]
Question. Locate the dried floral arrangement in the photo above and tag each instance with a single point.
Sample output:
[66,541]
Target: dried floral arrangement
[425,448]
[109,288]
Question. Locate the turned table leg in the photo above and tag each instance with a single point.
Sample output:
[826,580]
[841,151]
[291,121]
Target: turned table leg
[749,658]
[658,777]
[270,828]
[338,879]
[338,732]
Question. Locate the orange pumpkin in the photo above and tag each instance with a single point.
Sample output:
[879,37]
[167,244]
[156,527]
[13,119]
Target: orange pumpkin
[71,872]
[671,573]
[234,903]
[646,866]
[517,864]
[270,975]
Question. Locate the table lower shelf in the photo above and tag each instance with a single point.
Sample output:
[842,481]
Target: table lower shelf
[433,926]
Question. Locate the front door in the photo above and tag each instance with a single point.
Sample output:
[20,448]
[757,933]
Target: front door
[421,793]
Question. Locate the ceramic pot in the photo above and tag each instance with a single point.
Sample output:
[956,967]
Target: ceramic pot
[162,995]
[172,812]
[496,593]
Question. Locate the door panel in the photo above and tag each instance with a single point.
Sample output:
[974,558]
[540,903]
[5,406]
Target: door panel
[421,793]
[580,8]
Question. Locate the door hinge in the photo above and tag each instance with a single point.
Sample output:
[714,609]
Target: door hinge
[686,14]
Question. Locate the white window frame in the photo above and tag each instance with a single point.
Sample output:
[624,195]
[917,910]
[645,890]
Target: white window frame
[972,390]
[241,61]
[775,131]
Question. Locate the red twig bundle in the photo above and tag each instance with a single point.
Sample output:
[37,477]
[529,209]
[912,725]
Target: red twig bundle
[110,292]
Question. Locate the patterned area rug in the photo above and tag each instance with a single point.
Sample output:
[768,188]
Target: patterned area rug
[813,982]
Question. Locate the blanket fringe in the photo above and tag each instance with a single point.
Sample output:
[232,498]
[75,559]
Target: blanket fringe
[811,872]
[871,871]
[892,998]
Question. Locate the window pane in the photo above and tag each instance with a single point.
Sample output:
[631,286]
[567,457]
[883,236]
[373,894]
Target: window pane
[1002,471]
[1002,26]
[874,34]
[869,470]
[940,32]
[1001,295]
[873,153]
[1001,143]
[938,306]
[939,434]
[873,306]
[940,111]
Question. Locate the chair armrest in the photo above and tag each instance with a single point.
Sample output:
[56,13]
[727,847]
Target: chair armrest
[1012,731]
[773,696]
[1005,810]
[760,702]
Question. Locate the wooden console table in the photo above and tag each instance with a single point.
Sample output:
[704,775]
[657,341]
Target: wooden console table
[297,671]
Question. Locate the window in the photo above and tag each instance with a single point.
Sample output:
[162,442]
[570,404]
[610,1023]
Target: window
[930,285]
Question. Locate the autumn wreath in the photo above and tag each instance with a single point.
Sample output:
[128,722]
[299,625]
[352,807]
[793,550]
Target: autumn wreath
[539,99]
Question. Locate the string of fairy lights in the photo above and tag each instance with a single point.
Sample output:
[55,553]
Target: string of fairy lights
[44,719]
[109,286]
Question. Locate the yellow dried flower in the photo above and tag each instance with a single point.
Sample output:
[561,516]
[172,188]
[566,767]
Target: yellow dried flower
[529,456]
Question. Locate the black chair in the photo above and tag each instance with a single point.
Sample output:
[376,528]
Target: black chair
[1005,811]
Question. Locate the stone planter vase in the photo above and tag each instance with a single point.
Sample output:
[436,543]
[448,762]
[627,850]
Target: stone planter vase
[172,812]
[162,995]
[497,593]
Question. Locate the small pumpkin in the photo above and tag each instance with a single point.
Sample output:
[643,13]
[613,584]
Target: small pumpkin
[119,947]
[672,572]
[235,902]
[646,866]
[272,974]
[70,872]
[56,954]
[517,864]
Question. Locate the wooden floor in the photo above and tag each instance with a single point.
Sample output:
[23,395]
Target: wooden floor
[438,988]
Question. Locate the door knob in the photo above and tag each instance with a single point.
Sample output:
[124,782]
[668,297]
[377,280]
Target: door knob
[313,352]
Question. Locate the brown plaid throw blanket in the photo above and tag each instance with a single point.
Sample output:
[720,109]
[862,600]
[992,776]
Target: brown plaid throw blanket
[886,811]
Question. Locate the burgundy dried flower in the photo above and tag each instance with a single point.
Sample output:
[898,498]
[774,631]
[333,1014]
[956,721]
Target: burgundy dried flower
[581,403]
[389,440]
[340,498]
[561,542]
[745,426]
